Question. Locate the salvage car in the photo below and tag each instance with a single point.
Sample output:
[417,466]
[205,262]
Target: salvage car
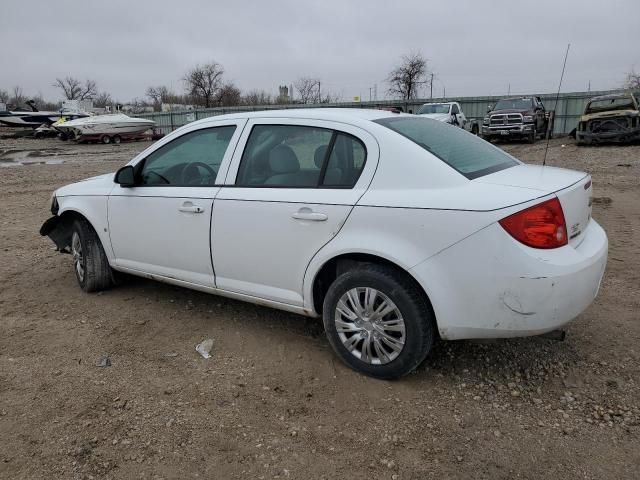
[517,118]
[397,230]
[610,118]
[448,112]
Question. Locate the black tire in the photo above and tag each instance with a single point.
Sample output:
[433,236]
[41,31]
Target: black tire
[116,139]
[533,136]
[419,321]
[106,139]
[96,273]
[474,129]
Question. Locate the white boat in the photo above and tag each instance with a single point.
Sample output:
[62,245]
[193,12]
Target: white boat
[105,128]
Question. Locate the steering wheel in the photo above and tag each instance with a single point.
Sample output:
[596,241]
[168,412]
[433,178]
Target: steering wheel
[164,179]
[191,174]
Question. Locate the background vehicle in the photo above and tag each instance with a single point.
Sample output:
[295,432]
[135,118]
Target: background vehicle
[372,220]
[519,117]
[610,118]
[448,112]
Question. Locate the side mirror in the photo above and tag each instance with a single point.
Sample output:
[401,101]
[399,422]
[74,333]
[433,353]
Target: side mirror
[489,108]
[125,177]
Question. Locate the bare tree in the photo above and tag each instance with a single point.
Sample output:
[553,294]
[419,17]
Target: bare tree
[43,104]
[330,97]
[406,79]
[257,97]
[204,82]
[158,96]
[309,89]
[102,100]
[17,97]
[633,80]
[228,96]
[74,89]
[4,96]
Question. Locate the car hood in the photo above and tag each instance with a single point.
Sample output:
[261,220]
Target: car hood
[610,113]
[100,185]
[441,117]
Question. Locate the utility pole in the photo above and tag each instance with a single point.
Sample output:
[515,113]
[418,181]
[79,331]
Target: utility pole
[431,85]
[319,97]
[369,93]
[375,91]
[589,87]
[509,90]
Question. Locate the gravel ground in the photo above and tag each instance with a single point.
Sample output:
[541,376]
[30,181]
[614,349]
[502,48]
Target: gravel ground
[273,401]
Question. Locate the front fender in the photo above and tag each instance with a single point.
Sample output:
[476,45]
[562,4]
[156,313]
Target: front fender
[92,208]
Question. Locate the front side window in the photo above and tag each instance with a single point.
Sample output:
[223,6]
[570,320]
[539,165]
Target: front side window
[466,153]
[297,156]
[454,110]
[190,160]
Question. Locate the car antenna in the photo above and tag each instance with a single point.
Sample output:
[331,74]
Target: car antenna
[546,148]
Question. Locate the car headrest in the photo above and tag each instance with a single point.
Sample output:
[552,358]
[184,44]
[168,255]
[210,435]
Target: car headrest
[282,159]
[318,157]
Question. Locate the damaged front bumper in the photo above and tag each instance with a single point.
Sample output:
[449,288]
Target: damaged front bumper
[59,231]
[618,129]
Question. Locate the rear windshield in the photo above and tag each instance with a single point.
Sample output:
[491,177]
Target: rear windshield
[466,153]
[433,108]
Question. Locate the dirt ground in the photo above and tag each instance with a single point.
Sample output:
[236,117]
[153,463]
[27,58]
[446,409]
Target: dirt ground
[273,401]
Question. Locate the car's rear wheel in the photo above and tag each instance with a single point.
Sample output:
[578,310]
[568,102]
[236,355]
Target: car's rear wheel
[116,139]
[378,321]
[532,136]
[89,260]
[106,139]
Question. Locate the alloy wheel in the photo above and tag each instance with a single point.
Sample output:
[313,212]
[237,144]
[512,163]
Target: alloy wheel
[370,326]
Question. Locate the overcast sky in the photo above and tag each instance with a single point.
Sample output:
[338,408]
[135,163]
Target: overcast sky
[474,47]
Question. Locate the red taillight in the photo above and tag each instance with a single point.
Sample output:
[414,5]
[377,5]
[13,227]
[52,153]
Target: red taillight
[540,226]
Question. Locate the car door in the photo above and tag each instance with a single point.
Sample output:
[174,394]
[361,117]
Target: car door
[161,226]
[290,188]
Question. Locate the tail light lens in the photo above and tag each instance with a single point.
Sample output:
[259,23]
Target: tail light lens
[540,226]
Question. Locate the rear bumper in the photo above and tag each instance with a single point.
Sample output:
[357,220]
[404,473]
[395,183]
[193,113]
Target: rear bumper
[491,286]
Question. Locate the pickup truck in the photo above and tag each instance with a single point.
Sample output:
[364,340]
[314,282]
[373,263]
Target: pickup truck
[520,118]
[449,112]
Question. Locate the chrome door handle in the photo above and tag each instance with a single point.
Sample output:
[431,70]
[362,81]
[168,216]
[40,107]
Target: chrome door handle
[308,214]
[189,207]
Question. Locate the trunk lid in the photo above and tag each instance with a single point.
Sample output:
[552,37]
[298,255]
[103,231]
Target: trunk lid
[573,189]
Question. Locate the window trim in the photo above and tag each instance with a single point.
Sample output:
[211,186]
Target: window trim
[139,166]
[319,186]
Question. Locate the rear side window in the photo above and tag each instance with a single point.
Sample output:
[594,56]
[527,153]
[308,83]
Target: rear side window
[466,153]
[293,156]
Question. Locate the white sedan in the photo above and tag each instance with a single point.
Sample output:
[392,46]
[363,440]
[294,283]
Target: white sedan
[397,230]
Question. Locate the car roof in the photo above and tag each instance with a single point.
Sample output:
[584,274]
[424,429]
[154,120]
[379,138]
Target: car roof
[611,97]
[348,115]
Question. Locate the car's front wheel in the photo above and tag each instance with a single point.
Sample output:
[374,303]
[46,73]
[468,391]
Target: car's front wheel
[90,263]
[378,321]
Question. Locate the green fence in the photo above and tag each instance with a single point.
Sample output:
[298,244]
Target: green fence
[568,109]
